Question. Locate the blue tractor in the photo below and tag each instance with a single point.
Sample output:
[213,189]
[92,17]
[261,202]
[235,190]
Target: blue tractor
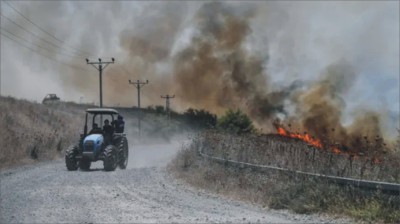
[104,144]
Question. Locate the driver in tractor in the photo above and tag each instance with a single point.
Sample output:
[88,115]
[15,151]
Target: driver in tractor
[95,129]
[108,131]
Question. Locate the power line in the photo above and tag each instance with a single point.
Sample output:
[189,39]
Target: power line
[51,51]
[37,36]
[40,28]
[43,55]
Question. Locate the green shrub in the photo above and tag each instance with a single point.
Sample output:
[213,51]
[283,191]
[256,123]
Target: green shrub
[157,109]
[235,122]
[200,118]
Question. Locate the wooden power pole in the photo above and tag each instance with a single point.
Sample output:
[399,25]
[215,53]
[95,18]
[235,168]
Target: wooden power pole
[167,104]
[99,66]
[138,84]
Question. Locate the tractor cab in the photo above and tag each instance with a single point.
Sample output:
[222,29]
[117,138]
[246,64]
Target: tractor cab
[101,142]
[101,121]
[101,133]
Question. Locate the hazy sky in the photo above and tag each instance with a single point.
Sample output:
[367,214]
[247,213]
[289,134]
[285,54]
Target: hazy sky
[297,39]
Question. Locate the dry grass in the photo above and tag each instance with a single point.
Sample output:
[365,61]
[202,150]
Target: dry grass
[294,154]
[285,190]
[34,132]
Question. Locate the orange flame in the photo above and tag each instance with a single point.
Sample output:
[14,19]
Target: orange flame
[317,143]
[306,138]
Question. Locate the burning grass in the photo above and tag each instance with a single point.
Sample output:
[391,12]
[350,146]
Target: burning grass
[282,190]
[296,154]
[370,149]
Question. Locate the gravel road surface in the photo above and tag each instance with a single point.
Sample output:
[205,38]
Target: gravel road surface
[143,193]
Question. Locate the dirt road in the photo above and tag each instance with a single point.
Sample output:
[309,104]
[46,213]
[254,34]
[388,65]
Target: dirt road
[144,192]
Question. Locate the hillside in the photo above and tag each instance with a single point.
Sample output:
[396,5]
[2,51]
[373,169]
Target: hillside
[34,132]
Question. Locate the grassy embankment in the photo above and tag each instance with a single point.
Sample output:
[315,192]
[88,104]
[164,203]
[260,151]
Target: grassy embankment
[33,132]
[283,190]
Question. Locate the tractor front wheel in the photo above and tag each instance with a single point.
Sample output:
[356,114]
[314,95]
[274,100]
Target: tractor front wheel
[70,158]
[110,158]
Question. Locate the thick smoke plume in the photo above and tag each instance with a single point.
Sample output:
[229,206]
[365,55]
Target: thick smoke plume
[319,111]
[301,63]
[216,72]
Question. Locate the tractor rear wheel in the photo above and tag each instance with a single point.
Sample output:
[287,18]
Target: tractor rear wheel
[70,158]
[110,158]
[84,164]
[123,153]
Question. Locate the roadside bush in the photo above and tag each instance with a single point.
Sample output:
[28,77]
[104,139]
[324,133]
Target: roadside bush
[157,109]
[235,122]
[200,119]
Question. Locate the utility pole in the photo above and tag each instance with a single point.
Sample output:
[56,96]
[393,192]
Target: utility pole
[167,103]
[138,84]
[0,80]
[99,66]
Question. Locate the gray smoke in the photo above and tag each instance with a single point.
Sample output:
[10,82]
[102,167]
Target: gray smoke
[257,56]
